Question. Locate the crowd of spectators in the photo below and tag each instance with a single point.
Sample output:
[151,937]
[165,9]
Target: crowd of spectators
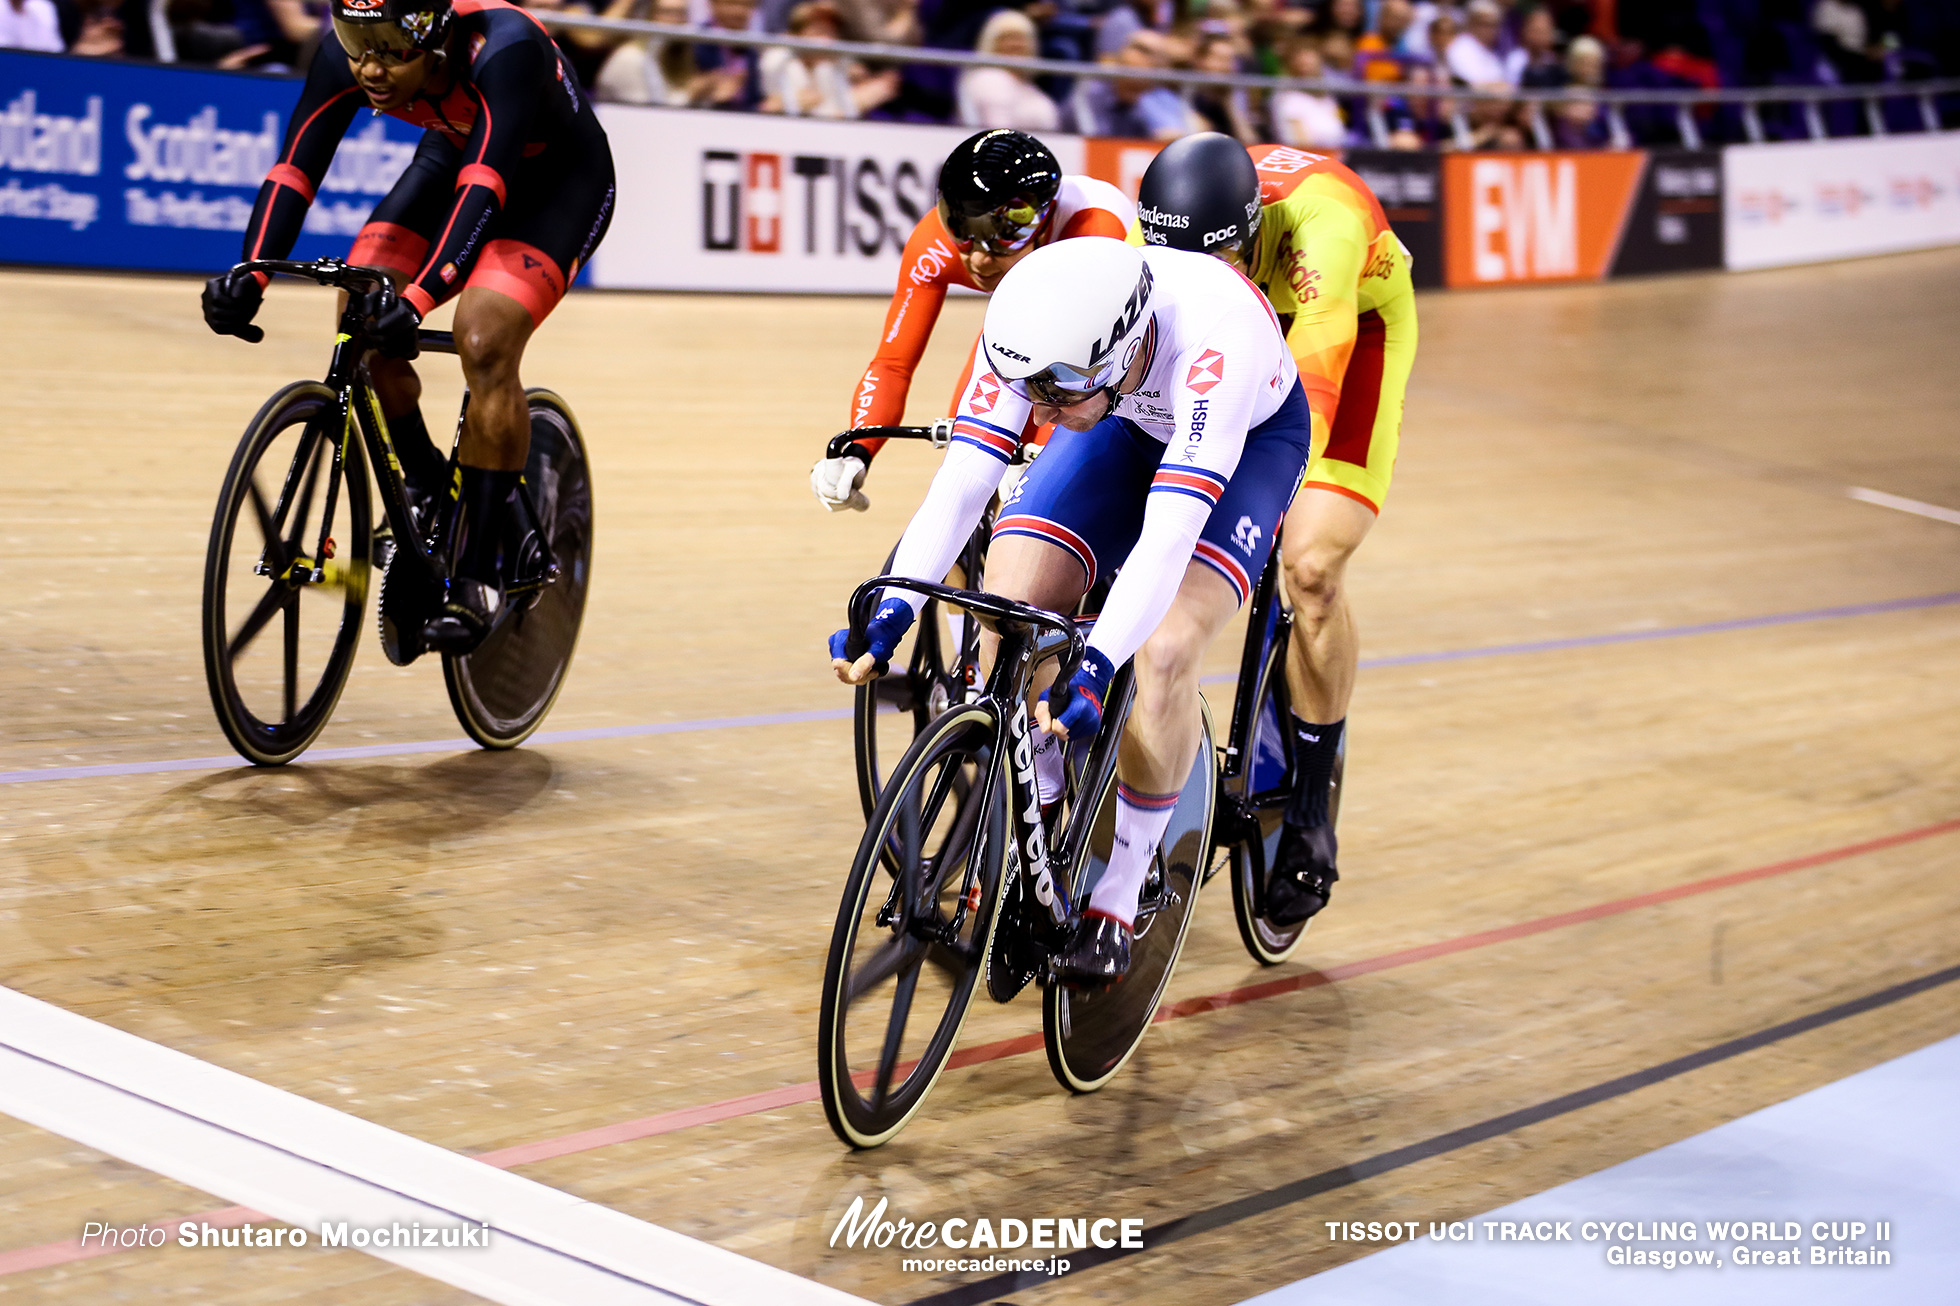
[1414,56]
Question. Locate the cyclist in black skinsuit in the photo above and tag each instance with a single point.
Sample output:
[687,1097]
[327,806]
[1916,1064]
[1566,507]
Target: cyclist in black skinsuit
[507,196]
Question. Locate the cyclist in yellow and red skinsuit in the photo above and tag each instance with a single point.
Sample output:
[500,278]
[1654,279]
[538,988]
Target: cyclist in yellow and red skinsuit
[1001,194]
[1310,234]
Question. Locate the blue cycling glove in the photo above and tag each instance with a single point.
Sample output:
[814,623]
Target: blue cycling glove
[881,635]
[1082,699]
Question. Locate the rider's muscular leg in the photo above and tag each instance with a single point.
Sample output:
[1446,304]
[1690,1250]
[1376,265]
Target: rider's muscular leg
[491,332]
[1160,742]
[1322,531]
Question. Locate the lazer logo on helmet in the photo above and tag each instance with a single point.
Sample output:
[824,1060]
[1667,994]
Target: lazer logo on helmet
[1125,320]
[1160,218]
[1004,351]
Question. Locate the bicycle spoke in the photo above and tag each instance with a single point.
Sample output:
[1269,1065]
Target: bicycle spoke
[894,1037]
[292,656]
[277,558]
[892,956]
[304,504]
[275,598]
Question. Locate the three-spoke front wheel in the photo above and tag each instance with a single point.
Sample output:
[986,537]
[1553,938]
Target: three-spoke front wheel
[278,644]
[910,939]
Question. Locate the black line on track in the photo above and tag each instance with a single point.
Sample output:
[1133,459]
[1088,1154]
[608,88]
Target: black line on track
[1244,1208]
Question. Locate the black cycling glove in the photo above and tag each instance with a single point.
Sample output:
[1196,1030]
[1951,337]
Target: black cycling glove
[395,330]
[231,301]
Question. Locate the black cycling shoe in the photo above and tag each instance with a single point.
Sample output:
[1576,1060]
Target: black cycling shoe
[1303,873]
[1098,954]
[468,615]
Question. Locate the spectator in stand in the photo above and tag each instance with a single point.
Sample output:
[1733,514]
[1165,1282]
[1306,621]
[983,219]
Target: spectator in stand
[1308,120]
[1226,109]
[803,83]
[652,71]
[1535,62]
[589,51]
[1579,123]
[1473,56]
[99,31]
[30,25]
[1127,106]
[1002,97]
[731,77]
[1383,54]
[890,22]
[1444,26]
[1347,17]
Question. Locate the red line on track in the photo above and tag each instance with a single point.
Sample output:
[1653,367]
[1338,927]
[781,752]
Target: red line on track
[545,1149]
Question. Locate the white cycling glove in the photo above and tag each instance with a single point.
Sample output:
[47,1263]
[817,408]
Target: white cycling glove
[836,482]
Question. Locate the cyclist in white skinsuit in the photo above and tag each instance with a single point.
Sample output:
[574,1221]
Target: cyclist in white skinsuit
[1184,433]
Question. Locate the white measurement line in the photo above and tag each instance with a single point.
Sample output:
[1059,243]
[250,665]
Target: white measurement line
[305,1164]
[1914,506]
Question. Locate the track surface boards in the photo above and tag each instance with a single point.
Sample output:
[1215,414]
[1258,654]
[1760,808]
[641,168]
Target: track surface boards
[491,950]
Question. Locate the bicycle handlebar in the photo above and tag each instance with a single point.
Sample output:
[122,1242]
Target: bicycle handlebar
[990,609]
[940,433]
[353,278]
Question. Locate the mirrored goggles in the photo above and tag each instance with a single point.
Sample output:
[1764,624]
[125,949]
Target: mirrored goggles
[1002,231]
[1060,386]
[387,43]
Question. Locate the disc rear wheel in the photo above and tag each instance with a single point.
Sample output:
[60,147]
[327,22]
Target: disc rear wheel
[502,689]
[1091,1033]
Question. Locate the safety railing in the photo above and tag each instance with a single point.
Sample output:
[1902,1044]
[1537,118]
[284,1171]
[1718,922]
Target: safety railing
[1614,102]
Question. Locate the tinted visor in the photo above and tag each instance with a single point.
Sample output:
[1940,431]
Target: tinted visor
[393,40]
[1060,386]
[998,231]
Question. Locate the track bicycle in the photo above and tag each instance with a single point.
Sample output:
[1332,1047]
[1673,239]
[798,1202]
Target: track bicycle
[310,547]
[958,875]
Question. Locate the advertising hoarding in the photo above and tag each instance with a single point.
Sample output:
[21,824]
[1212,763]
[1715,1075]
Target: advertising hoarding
[1806,201]
[120,165]
[718,201]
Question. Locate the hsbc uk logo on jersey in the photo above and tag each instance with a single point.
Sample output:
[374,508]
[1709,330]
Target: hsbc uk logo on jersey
[986,393]
[1207,372]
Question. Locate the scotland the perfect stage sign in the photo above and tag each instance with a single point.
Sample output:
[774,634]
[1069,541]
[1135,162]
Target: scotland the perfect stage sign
[110,164]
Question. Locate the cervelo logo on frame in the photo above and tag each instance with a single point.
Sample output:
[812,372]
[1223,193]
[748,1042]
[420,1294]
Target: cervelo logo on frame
[815,205]
[1205,373]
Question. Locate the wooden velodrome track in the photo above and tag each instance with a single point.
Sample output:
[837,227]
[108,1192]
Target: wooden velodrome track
[487,951]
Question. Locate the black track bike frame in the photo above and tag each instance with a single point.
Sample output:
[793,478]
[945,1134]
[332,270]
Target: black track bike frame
[1028,636]
[358,408]
[1269,630]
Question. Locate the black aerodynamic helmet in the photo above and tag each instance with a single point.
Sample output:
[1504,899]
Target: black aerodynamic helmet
[997,188]
[393,30]
[1201,193]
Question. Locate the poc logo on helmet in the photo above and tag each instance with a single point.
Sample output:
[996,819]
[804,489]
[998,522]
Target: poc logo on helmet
[1223,233]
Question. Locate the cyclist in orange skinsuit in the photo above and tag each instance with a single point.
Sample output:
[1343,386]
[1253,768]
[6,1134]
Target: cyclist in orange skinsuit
[1001,194]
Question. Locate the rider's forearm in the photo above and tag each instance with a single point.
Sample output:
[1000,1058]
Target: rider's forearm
[1148,583]
[952,508]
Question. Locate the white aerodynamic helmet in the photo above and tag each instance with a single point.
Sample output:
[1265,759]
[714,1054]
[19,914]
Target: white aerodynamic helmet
[1068,320]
